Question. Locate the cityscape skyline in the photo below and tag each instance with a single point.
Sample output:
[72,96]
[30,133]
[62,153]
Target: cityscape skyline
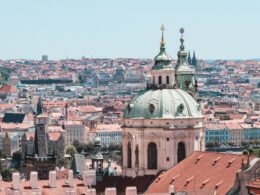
[64,29]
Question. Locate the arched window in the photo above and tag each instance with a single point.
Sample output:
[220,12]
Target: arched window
[181,151]
[160,80]
[129,156]
[167,80]
[153,79]
[136,156]
[152,156]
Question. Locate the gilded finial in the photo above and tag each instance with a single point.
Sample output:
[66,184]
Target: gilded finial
[182,40]
[162,38]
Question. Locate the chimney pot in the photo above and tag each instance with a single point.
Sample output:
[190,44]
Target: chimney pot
[70,192]
[171,189]
[34,180]
[110,191]
[52,179]
[70,178]
[131,191]
[16,181]
[91,192]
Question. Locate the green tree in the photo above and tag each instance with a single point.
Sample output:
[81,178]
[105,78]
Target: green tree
[250,150]
[71,150]
[17,158]
[245,152]
[7,174]
[63,162]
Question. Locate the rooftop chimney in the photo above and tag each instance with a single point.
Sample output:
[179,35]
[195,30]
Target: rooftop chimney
[110,191]
[52,179]
[89,177]
[36,193]
[70,192]
[70,178]
[17,192]
[91,191]
[171,189]
[131,191]
[16,181]
[34,180]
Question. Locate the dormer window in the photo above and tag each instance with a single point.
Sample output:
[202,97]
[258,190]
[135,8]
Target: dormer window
[151,108]
[181,108]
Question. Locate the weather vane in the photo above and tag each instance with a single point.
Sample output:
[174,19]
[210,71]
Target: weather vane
[182,40]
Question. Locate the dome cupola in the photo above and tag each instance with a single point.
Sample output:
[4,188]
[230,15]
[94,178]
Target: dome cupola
[184,74]
[162,60]
[163,75]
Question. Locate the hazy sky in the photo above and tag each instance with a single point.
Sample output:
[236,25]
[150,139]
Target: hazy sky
[224,29]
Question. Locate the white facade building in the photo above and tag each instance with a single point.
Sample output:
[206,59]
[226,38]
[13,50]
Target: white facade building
[76,131]
[109,134]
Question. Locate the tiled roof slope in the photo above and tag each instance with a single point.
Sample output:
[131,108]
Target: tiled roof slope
[205,171]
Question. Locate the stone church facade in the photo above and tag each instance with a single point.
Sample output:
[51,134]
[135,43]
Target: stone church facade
[163,124]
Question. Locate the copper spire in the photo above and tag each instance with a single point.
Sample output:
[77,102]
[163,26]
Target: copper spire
[181,39]
[162,38]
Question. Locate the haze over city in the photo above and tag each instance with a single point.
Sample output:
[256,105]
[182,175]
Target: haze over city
[62,28]
[129,97]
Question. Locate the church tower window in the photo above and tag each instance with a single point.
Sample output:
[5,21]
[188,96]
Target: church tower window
[136,156]
[181,151]
[152,156]
[129,156]
[167,80]
[160,80]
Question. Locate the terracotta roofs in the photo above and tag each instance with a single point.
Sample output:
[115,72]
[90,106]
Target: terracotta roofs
[254,187]
[233,125]
[10,126]
[108,127]
[215,126]
[237,116]
[54,136]
[206,171]
[90,109]
[6,106]
[5,89]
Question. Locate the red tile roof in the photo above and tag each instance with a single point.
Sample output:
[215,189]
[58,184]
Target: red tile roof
[254,184]
[8,89]
[200,171]
[54,135]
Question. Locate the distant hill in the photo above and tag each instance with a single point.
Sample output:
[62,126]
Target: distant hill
[211,61]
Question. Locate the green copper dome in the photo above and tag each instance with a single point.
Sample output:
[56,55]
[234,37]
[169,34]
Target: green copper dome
[165,103]
[162,56]
[162,60]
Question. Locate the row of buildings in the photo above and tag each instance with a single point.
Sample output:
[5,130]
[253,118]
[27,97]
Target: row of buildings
[232,133]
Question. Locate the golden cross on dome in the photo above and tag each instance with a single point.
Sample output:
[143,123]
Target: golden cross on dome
[162,28]
[162,39]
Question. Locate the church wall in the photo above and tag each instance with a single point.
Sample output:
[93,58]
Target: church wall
[166,141]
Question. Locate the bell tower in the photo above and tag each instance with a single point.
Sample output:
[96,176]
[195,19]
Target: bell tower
[184,74]
[162,72]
